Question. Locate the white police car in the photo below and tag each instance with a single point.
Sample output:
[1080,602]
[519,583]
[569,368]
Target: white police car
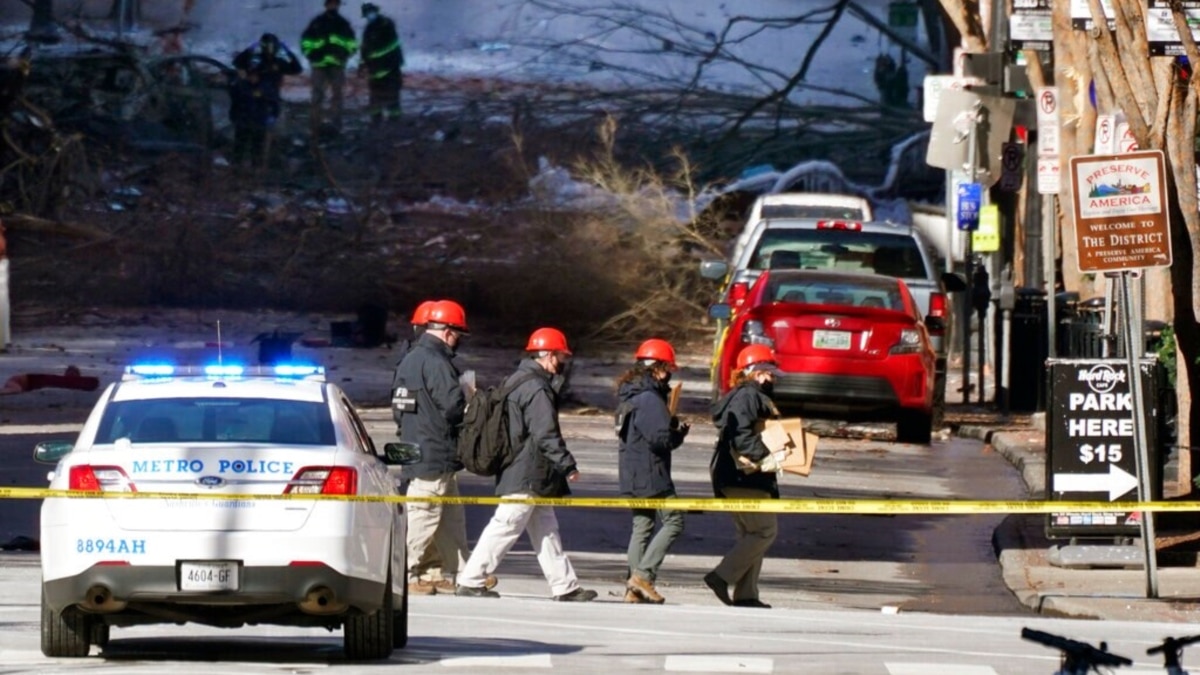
[124,560]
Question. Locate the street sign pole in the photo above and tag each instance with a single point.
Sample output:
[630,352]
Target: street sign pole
[1133,350]
[971,167]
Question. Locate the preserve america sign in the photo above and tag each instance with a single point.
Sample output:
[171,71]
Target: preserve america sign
[1121,211]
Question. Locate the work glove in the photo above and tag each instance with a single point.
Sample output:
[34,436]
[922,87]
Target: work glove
[769,464]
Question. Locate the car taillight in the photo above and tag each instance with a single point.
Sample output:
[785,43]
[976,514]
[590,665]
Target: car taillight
[324,480]
[909,343]
[737,295]
[87,478]
[753,333]
[839,225]
[937,304]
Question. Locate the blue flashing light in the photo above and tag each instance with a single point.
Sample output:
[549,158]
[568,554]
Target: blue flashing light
[298,370]
[224,370]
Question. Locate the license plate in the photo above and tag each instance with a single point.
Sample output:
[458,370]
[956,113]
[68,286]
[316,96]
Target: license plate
[831,339]
[216,575]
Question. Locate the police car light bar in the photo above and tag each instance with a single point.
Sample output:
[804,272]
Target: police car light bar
[296,371]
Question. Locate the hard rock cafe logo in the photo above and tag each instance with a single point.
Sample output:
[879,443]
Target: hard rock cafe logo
[1102,377]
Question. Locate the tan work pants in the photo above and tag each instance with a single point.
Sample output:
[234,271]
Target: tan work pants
[437,533]
[755,534]
[502,531]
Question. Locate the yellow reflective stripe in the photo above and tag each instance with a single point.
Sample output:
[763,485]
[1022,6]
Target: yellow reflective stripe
[385,51]
[307,46]
[811,506]
[379,76]
[350,44]
[329,60]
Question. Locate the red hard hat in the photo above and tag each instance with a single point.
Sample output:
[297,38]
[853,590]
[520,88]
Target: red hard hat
[421,316]
[656,350]
[449,313]
[753,355]
[547,340]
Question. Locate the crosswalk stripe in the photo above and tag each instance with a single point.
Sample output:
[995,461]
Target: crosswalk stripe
[718,664]
[521,661]
[937,669]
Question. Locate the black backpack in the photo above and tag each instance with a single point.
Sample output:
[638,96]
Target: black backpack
[484,445]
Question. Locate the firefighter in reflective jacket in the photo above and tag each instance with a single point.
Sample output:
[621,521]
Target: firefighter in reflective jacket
[328,42]
[382,58]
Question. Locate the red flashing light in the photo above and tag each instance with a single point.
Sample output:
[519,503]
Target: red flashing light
[852,225]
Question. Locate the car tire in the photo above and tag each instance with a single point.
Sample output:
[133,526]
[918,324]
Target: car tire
[100,633]
[369,637]
[938,418]
[400,621]
[914,426]
[65,634]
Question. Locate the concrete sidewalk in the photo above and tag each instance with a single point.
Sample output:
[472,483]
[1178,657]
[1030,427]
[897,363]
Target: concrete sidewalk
[1023,552]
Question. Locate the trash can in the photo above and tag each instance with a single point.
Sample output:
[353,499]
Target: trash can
[1030,338]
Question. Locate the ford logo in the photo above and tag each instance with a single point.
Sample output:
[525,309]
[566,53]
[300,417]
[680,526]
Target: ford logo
[210,481]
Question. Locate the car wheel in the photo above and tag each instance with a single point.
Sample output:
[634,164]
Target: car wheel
[370,636]
[939,400]
[914,426]
[65,634]
[100,632]
[400,620]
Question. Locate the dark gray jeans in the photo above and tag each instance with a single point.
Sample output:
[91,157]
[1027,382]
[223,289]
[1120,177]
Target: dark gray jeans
[646,554]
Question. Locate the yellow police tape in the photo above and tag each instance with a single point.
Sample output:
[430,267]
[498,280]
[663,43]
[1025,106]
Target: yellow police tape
[843,506]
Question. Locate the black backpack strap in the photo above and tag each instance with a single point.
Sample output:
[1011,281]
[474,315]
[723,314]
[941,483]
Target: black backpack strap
[507,390]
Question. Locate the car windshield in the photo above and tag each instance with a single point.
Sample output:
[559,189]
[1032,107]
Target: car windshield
[813,211]
[893,255]
[217,420]
[832,292]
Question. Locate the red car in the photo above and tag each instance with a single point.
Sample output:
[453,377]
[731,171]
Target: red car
[848,346]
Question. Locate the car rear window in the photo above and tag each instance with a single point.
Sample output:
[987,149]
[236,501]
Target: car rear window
[835,292]
[893,255]
[813,211]
[217,420]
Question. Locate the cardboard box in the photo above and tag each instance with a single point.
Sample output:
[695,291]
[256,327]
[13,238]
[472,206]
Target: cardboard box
[798,447]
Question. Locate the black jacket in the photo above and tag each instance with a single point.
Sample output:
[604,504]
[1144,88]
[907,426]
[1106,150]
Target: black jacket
[270,68]
[647,439]
[737,416]
[382,54]
[543,462]
[430,377]
[328,41]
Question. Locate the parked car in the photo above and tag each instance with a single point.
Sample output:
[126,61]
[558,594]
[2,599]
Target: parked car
[883,248]
[217,431]
[851,346]
[802,205]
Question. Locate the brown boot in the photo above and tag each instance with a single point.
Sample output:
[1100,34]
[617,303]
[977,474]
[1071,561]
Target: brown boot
[633,597]
[646,589]
[421,587]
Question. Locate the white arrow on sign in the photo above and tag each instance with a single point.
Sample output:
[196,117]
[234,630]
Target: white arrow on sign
[1116,482]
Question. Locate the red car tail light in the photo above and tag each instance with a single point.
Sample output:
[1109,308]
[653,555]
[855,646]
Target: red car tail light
[909,342]
[324,480]
[88,478]
[737,295]
[937,305]
[839,225]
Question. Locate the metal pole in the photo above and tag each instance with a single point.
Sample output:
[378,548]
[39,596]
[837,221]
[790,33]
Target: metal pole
[981,352]
[1048,266]
[1133,357]
[1005,348]
[971,172]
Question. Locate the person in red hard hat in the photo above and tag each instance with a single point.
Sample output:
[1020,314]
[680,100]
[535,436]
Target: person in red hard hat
[743,468]
[542,467]
[430,402]
[648,432]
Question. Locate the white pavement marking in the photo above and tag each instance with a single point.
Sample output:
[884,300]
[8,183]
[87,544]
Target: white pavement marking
[12,657]
[39,429]
[937,669]
[718,664]
[521,661]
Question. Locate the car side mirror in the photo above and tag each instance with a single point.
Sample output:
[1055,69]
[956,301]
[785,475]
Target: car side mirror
[401,453]
[936,325]
[954,282]
[714,269]
[720,311]
[49,452]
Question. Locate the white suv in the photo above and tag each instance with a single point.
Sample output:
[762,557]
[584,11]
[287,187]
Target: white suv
[242,550]
[802,206]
